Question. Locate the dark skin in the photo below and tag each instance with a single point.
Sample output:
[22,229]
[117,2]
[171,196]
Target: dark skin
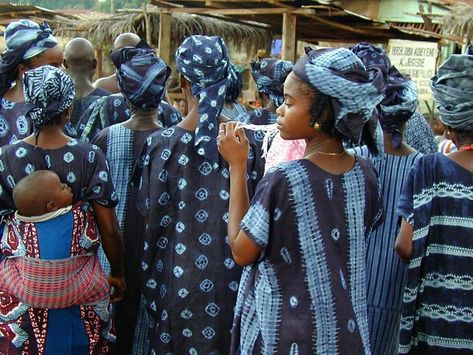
[53,137]
[189,123]
[403,244]
[52,56]
[293,123]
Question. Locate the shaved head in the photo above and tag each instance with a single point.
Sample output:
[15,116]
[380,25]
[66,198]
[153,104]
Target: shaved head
[126,40]
[77,50]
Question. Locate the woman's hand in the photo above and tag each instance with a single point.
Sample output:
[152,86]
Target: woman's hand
[233,145]
[118,288]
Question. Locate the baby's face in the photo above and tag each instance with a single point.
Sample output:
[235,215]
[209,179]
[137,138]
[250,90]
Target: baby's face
[61,193]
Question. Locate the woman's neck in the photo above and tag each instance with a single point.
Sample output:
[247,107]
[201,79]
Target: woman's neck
[15,94]
[328,154]
[403,150]
[142,121]
[50,137]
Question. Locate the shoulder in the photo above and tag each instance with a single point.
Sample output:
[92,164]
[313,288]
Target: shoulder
[108,83]
[99,92]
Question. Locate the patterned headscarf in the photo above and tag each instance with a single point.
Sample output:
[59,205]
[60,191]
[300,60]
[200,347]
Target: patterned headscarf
[204,62]
[141,76]
[49,91]
[354,91]
[24,39]
[453,91]
[400,100]
[269,75]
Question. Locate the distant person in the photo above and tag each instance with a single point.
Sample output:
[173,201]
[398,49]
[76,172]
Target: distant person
[142,78]
[182,107]
[385,271]
[110,83]
[232,107]
[80,62]
[114,109]
[27,46]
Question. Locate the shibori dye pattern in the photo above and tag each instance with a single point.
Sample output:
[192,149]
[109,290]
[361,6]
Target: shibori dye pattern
[385,271]
[191,280]
[113,109]
[85,328]
[85,170]
[269,75]
[82,166]
[307,292]
[12,131]
[419,134]
[122,148]
[438,298]
[204,62]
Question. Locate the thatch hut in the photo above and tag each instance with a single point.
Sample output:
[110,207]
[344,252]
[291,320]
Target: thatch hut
[459,23]
[243,40]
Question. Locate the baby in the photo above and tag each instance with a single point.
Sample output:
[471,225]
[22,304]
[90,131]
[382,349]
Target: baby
[40,193]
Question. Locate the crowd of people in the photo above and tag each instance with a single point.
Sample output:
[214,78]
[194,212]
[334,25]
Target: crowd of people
[323,222]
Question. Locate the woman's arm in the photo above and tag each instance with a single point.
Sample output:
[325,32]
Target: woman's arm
[234,148]
[403,244]
[112,243]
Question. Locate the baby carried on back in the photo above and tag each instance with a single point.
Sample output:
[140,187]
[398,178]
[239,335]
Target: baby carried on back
[40,267]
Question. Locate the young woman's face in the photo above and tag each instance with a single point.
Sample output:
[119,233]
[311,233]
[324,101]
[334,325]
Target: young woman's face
[294,114]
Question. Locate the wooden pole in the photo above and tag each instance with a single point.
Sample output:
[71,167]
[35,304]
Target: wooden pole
[99,69]
[288,51]
[148,27]
[164,45]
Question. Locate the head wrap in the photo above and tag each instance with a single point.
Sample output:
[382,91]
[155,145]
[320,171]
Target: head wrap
[236,84]
[353,90]
[269,75]
[204,62]
[400,100]
[24,39]
[453,91]
[49,92]
[141,76]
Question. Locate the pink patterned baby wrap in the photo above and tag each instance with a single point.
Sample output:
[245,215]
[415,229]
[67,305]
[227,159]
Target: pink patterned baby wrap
[282,150]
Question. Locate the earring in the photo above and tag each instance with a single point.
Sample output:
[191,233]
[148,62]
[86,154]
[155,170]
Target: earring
[317,125]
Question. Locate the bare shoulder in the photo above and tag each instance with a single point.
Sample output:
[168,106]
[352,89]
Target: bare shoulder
[108,83]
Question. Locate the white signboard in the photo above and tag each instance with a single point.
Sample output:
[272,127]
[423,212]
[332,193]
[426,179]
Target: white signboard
[418,60]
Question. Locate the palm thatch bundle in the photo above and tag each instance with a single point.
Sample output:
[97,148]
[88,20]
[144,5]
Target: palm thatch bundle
[102,33]
[459,23]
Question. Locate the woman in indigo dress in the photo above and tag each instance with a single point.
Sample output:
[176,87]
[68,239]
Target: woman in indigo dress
[436,207]
[27,46]
[191,281]
[142,79]
[304,235]
[385,271]
[80,328]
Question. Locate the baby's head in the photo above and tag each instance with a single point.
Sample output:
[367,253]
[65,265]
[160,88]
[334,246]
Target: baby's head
[41,192]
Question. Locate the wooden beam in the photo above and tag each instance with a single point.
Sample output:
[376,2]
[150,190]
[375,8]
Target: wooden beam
[99,57]
[164,45]
[239,12]
[288,51]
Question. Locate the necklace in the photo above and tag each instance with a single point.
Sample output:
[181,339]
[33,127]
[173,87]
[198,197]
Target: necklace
[324,153]
[466,147]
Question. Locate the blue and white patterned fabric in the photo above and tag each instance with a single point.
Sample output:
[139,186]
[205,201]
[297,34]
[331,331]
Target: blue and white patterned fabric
[122,147]
[385,271]
[235,86]
[400,100]
[49,91]
[437,310]
[141,76]
[204,62]
[452,87]
[419,134]
[354,90]
[269,75]
[24,39]
[306,294]
[190,278]
[113,109]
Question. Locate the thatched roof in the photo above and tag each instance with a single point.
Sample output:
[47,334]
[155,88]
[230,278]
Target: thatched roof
[102,33]
[459,23]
